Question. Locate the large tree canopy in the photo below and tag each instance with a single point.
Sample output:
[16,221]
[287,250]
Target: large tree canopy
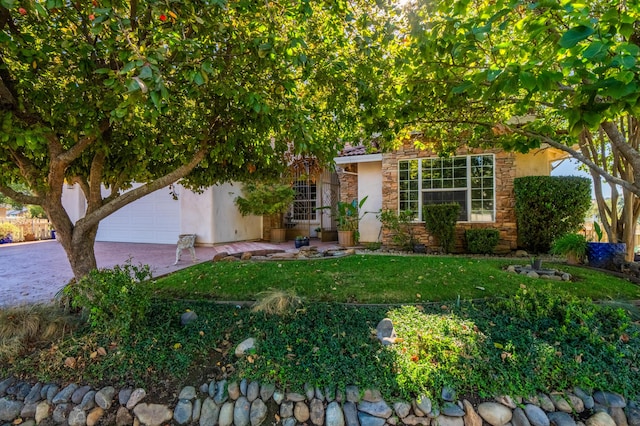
[523,72]
[111,92]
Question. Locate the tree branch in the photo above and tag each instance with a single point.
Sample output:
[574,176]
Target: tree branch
[20,197]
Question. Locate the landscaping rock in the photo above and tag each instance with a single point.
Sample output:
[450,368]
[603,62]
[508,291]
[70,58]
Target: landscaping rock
[587,399]
[136,396]
[286,409]
[234,390]
[209,412]
[495,414]
[221,395]
[188,392]
[197,409]
[402,409]
[334,415]
[95,415]
[61,413]
[123,417]
[242,412]
[34,394]
[295,397]
[536,415]
[448,394]
[244,383]
[153,414]
[316,412]
[301,412]
[618,416]
[372,395]
[448,421]
[88,401]
[520,418]
[309,391]
[600,419]
[319,394]
[28,410]
[123,396]
[377,409]
[43,411]
[188,317]
[104,397]
[385,332]
[576,403]
[225,418]
[560,403]
[258,413]
[52,391]
[10,410]
[471,418]
[559,418]
[507,401]
[369,420]
[609,399]
[546,403]
[219,256]
[352,394]
[424,404]
[65,394]
[450,409]
[253,391]
[633,415]
[183,411]
[350,413]
[266,391]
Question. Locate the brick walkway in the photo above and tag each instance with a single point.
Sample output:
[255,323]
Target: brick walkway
[34,272]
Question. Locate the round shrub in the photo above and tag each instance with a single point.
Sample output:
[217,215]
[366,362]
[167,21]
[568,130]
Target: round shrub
[482,241]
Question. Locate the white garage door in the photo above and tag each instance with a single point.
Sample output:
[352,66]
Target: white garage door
[154,218]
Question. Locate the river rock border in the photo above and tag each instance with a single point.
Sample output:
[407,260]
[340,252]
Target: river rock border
[247,403]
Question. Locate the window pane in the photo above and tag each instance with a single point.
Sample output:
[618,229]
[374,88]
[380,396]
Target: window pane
[441,197]
[305,201]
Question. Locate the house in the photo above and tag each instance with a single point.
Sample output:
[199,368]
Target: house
[405,179]
[481,181]
[212,214]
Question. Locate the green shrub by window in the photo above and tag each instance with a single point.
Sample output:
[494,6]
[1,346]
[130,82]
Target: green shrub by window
[548,207]
[115,300]
[482,241]
[440,220]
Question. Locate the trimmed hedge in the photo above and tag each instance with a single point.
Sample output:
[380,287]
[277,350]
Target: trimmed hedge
[548,207]
[482,241]
[440,220]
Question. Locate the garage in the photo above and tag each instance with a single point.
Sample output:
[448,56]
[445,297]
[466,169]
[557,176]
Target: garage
[154,218]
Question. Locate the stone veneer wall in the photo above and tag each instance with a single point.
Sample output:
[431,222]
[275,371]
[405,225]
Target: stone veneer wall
[349,184]
[505,202]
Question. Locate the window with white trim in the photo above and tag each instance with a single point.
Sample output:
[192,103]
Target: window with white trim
[466,180]
[305,201]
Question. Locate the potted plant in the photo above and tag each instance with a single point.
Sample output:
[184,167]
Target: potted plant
[348,217]
[319,233]
[601,254]
[267,199]
[301,241]
[573,246]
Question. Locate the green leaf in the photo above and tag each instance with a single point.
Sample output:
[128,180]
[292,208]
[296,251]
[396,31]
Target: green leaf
[198,79]
[575,35]
[146,73]
[7,3]
[462,87]
[128,67]
[596,50]
[528,80]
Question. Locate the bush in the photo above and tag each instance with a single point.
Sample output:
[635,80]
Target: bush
[482,241]
[548,207]
[400,227]
[571,243]
[440,220]
[115,300]
[8,228]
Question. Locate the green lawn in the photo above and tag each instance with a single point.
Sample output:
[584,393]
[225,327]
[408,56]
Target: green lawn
[381,279]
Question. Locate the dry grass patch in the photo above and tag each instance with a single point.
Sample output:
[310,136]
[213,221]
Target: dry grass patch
[277,302]
[23,328]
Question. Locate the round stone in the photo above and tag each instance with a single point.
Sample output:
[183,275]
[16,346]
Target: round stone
[495,414]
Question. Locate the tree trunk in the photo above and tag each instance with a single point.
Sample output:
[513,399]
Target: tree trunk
[77,239]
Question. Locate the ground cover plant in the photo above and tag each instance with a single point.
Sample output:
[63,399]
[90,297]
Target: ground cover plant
[539,338]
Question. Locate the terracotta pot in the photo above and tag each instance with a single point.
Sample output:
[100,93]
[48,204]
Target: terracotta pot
[278,235]
[346,238]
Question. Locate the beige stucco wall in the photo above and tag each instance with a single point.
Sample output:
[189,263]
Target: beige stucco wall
[537,162]
[227,222]
[370,186]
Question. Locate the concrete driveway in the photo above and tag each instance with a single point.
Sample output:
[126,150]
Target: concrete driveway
[34,272]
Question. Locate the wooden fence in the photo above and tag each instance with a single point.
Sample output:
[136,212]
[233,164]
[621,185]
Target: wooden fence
[28,229]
